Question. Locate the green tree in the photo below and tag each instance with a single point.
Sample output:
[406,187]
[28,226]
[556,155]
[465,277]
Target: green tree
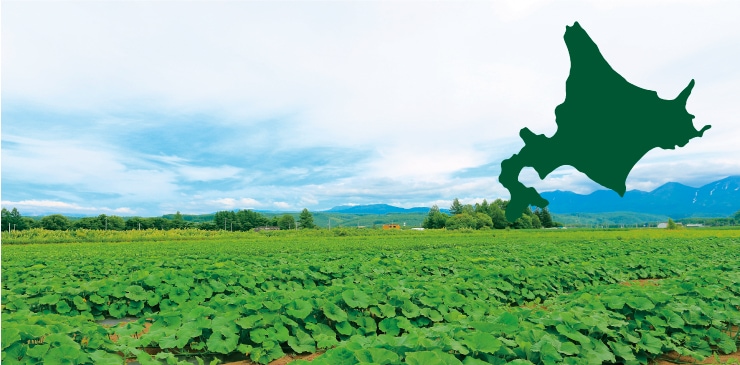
[460,221]
[671,224]
[87,223]
[224,219]
[482,207]
[435,219]
[305,220]
[249,219]
[536,223]
[286,222]
[483,220]
[178,221]
[208,226]
[523,222]
[545,217]
[497,216]
[31,223]
[12,220]
[469,209]
[737,217]
[55,222]
[456,207]
[159,223]
[116,223]
[135,223]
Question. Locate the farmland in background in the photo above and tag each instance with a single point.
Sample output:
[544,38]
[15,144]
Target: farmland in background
[370,296]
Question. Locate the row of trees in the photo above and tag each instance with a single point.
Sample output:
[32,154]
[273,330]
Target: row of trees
[242,220]
[245,220]
[486,215]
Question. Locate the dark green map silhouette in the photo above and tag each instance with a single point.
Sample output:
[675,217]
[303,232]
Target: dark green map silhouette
[605,126]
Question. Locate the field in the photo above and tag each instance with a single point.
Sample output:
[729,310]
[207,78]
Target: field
[370,297]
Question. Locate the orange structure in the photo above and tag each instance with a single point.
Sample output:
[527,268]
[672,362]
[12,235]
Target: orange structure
[392,226]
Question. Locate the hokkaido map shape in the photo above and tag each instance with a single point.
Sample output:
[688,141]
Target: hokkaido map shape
[605,126]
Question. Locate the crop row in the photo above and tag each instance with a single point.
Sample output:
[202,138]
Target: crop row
[692,315]
[194,299]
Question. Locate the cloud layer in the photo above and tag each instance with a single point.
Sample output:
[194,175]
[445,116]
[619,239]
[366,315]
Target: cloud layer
[151,107]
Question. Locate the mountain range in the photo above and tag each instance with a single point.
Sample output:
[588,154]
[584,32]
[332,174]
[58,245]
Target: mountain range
[717,199]
[377,209]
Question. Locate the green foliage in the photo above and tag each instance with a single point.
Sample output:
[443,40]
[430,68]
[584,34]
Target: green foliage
[101,222]
[55,222]
[11,220]
[456,207]
[305,220]
[460,221]
[243,220]
[374,296]
[523,222]
[545,218]
[435,219]
[286,222]
[469,221]
[671,224]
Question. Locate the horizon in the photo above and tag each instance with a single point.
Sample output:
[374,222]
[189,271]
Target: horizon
[147,108]
[331,210]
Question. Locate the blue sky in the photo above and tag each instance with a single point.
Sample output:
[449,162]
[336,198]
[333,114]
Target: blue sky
[150,107]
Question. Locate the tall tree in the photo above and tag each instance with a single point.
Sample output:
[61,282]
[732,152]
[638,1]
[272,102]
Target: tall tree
[482,207]
[305,220]
[286,222]
[536,223]
[546,218]
[12,219]
[55,222]
[138,223]
[497,216]
[116,223]
[178,221]
[456,207]
[249,219]
[224,220]
[435,219]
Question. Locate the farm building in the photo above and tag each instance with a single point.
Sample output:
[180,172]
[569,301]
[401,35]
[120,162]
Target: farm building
[392,226]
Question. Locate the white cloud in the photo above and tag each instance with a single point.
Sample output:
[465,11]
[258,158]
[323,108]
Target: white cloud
[426,88]
[240,203]
[30,207]
[282,205]
[197,173]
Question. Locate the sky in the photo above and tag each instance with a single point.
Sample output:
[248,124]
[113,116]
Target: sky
[150,107]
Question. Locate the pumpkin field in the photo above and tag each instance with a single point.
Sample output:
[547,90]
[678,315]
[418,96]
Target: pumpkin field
[354,296]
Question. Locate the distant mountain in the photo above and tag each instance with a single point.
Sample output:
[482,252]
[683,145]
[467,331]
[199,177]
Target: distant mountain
[376,209]
[717,199]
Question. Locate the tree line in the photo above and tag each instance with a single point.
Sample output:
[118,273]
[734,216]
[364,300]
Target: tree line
[242,220]
[486,216]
